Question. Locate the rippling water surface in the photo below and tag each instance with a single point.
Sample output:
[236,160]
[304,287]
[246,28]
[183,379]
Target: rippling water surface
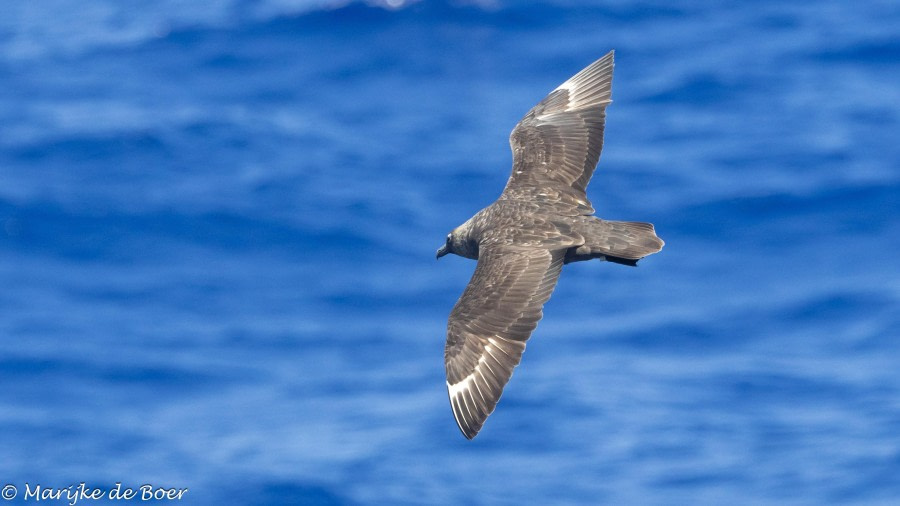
[217,234]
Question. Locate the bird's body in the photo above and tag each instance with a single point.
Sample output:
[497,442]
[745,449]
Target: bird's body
[542,221]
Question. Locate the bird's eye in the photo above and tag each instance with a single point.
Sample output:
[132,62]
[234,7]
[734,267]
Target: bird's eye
[449,237]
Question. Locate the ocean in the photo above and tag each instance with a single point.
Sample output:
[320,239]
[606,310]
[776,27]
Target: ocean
[218,222]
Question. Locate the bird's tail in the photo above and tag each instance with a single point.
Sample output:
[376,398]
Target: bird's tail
[623,242]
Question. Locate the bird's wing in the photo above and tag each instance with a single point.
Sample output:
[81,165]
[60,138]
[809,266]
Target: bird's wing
[490,323]
[556,145]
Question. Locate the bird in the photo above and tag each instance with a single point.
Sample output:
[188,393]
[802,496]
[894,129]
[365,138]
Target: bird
[541,221]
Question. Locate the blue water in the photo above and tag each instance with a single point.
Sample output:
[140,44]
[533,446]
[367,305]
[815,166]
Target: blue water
[218,222]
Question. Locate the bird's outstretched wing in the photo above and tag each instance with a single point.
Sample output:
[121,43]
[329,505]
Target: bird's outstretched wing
[490,323]
[556,145]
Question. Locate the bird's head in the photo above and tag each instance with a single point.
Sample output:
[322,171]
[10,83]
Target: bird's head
[459,243]
[447,247]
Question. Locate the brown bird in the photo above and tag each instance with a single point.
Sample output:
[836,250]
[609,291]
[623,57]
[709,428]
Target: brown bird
[541,221]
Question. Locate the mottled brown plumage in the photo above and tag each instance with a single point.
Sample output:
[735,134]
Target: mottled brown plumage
[542,220]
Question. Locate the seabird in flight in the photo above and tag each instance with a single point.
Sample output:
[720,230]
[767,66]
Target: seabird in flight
[541,221]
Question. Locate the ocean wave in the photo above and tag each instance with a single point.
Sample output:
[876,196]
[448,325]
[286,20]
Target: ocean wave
[30,30]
